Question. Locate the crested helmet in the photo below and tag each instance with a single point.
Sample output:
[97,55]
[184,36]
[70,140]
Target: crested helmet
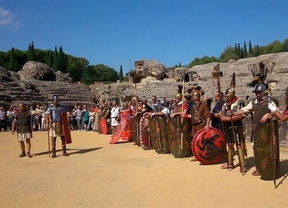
[230,94]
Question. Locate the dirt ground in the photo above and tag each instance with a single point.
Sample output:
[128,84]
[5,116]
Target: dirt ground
[98,174]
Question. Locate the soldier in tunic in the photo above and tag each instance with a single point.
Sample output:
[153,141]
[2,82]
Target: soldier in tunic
[233,129]
[164,110]
[199,114]
[22,124]
[106,113]
[115,116]
[55,124]
[259,106]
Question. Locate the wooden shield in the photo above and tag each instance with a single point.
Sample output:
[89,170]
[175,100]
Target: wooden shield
[144,137]
[135,129]
[209,147]
[103,126]
[159,134]
[266,150]
[65,127]
[179,136]
[117,135]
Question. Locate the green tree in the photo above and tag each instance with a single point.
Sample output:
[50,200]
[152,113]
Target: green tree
[76,67]
[245,52]
[285,45]
[121,73]
[62,60]
[55,60]
[31,52]
[250,47]
[229,53]
[21,59]
[276,47]
[12,60]
[50,58]
[2,59]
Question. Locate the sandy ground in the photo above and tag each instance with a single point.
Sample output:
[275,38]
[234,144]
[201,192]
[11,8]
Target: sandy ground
[98,174]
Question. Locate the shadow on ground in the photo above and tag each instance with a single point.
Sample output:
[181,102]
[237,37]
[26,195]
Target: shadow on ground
[71,151]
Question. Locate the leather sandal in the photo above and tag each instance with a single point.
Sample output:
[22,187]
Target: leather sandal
[226,166]
[243,169]
[28,155]
[65,154]
[54,155]
[22,154]
[194,159]
[255,173]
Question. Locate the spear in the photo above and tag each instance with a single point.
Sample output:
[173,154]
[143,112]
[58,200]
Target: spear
[273,143]
[182,120]
[217,74]
[48,131]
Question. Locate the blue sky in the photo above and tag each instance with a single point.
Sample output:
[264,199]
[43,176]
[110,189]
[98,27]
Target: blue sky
[119,32]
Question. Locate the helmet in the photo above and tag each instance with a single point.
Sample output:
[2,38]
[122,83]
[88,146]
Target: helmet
[145,107]
[135,99]
[196,95]
[178,96]
[56,98]
[230,94]
[163,103]
[260,87]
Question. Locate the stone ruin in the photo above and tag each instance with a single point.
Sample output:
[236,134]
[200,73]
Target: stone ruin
[37,83]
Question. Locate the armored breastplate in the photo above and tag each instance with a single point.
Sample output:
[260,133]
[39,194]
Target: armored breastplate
[259,109]
[195,114]
[234,107]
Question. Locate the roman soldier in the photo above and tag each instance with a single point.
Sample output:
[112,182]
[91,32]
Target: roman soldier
[199,114]
[55,124]
[265,135]
[179,127]
[233,128]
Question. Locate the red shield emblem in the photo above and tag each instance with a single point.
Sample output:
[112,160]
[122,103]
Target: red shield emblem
[209,147]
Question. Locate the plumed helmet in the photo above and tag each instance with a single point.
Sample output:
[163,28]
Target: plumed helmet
[260,87]
[178,96]
[229,94]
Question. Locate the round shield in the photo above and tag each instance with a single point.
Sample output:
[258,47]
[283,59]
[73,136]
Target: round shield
[209,147]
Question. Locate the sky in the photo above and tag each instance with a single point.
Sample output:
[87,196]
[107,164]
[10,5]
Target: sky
[120,32]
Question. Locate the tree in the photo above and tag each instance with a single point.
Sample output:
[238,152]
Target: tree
[121,73]
[285,45]
[276,47]
[55,60]
[76,67]
[2,59]
[12,60]
[31,52]
[62,60]
[245,53]
[250,47]
[229,53]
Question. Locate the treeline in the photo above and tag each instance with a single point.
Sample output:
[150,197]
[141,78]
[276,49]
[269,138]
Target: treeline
[239,52]
[78,68]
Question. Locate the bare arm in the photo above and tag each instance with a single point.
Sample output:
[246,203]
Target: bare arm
[280,116]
